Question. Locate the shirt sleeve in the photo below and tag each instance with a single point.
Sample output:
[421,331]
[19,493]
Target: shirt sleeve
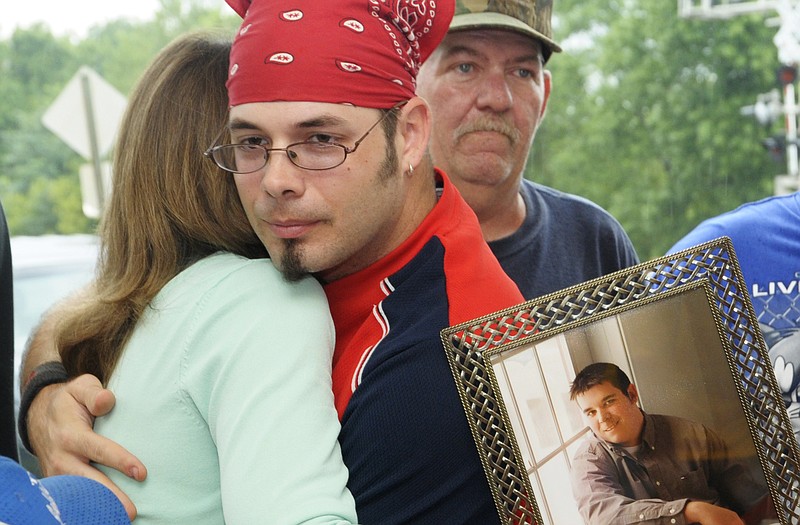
[600,495]
[260,369]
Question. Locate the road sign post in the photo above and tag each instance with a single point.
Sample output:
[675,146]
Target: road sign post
[94,149]
[86,115]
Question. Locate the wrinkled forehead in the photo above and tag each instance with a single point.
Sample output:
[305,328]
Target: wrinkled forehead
[502,38]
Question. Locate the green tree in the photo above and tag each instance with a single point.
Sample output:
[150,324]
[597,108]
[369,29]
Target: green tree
[121,49]
[35,67]
[645,115]
[39,182]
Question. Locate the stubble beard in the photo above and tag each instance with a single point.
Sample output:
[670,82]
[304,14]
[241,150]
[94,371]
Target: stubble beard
[292,266]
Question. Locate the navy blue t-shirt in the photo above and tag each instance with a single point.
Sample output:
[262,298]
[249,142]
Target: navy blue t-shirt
[564,240]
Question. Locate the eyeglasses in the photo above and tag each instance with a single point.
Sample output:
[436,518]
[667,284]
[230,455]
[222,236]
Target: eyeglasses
[315,156]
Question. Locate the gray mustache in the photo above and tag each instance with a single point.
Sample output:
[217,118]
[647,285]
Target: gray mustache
[489,124]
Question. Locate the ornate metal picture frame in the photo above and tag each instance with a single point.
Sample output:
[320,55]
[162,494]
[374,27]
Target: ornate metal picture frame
[682,327]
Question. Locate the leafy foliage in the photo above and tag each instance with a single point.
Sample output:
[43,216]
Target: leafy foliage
[645,115]
[38,173]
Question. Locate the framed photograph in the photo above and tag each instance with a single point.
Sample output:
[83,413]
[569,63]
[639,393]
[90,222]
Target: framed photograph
[680,327]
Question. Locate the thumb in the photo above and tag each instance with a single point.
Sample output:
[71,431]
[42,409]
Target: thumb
[89,392]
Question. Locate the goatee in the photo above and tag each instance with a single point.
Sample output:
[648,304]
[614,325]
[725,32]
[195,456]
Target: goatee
[291,265]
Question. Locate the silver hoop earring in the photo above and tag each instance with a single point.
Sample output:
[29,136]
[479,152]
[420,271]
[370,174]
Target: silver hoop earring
[410,169]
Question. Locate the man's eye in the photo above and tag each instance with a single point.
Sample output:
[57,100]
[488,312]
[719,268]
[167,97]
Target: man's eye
[525,73]
[464,68]
[322,138]
[252,141]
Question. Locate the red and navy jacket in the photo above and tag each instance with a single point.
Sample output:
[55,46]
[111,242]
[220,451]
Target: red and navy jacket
[405,436]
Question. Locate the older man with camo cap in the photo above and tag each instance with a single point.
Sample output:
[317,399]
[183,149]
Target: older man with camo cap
[488,89]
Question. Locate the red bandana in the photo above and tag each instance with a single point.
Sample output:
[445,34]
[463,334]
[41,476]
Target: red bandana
[361,52]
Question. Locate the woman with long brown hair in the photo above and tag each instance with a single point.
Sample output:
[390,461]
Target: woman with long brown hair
[220,368]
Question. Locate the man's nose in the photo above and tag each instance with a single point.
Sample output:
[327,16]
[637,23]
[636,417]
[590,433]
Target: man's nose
[281,178]
[495,93]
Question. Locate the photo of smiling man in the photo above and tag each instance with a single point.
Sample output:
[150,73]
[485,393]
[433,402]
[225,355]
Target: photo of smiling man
[637,467]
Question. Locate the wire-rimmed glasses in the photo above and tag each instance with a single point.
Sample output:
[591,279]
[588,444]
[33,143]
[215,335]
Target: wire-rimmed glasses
[315,156]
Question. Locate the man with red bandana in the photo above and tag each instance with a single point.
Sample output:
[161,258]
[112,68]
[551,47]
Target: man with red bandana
[328,149]
[398,250]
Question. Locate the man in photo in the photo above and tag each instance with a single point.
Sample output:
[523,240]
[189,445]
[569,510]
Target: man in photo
[637,467]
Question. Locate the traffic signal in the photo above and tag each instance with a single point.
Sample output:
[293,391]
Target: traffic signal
[775,146]
[787,75]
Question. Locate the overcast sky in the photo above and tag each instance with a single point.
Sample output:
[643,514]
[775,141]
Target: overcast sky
[71,17]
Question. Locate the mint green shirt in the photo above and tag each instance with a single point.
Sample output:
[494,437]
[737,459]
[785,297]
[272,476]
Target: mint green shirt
[224,393]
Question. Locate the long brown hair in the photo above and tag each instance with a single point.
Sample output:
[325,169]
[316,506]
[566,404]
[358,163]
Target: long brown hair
[169,206]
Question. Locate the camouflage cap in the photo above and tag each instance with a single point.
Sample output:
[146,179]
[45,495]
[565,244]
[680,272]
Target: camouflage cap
[528,17]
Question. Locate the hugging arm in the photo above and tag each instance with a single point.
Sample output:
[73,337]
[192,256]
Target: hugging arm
[57,425]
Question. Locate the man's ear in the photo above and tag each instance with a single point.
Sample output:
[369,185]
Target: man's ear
[547,80]
[414,129]
[633,394]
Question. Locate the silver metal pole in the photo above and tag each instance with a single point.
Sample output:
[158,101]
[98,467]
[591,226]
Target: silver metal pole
[93,145]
